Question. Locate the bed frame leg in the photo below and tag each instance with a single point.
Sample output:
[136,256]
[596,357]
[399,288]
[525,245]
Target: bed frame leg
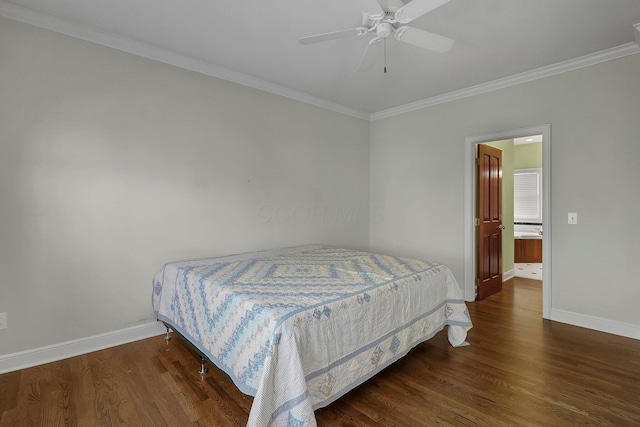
[168,336]
[203,370]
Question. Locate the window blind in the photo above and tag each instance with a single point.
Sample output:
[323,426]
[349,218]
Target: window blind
[527,195]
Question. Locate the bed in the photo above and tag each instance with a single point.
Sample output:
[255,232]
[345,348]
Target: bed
[296,328]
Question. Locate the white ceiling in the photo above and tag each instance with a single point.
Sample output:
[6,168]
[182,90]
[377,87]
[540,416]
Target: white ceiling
[256,43]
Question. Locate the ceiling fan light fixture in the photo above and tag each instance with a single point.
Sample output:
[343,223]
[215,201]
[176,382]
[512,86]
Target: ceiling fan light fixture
[384,30]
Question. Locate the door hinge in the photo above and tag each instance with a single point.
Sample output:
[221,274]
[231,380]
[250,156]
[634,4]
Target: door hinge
[476,222]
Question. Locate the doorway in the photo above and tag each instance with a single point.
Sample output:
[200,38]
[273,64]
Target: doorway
[470,204]
[527,207]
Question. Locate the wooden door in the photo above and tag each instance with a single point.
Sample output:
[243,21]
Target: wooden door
[489,222]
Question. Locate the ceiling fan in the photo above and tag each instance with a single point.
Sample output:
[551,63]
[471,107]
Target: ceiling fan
[391,20]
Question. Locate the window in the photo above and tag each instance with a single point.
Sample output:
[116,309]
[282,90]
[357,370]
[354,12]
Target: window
[527,195]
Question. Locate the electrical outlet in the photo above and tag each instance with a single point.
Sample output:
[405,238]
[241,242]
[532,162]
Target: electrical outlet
[573,218]
[3,320]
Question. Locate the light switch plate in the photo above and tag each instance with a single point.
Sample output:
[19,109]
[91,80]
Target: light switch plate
[573,218]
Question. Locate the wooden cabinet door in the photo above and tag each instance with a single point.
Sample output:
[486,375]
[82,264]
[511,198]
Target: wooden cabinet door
[527,250]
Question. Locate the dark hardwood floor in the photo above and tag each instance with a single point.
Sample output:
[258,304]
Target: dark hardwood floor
[519,370]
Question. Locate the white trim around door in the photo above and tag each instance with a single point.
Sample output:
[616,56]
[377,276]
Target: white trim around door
[470,202]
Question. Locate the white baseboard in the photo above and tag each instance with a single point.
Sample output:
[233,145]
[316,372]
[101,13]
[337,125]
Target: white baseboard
[52,353]
[597,323]
[508,275]
[40,356]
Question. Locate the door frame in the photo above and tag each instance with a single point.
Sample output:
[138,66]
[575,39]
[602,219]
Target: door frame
[470,144]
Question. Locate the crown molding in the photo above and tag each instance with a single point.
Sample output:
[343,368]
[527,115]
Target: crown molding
[540,73]
[124,44]
[128,45]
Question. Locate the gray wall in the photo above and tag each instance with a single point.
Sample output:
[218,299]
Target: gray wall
[111,165]
[417,174]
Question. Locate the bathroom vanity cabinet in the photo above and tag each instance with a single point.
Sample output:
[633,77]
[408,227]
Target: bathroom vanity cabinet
[527,250]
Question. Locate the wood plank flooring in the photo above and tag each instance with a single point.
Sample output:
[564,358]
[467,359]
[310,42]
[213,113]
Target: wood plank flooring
[519,370]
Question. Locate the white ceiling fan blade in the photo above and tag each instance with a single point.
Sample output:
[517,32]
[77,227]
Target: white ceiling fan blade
[370,54]
[334,35]
[416,8]
[423,39]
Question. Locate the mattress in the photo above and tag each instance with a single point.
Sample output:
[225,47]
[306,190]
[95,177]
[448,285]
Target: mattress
[299,327]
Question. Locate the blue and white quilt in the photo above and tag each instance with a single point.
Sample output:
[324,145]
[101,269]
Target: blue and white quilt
[299,327]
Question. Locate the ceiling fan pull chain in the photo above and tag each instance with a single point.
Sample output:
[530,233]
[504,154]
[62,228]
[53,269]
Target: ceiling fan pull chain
[385,56]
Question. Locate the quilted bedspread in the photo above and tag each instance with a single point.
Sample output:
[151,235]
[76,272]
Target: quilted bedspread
[299,327]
